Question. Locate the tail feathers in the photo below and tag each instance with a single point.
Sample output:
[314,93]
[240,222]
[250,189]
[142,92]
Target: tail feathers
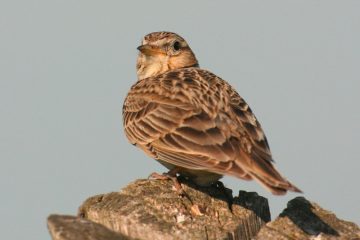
[265,173]
[276,187]
[268,176]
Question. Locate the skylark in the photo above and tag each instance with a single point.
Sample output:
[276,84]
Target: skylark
[192,121]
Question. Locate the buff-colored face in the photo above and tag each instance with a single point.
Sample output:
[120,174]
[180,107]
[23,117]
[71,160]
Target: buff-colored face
[161,52]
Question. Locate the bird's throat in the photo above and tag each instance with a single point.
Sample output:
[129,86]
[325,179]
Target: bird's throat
[149,66]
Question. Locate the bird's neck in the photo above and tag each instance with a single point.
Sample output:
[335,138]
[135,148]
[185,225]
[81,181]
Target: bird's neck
[148,66]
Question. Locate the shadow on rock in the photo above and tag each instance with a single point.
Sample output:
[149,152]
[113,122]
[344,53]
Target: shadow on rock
[299,210]
[248,200]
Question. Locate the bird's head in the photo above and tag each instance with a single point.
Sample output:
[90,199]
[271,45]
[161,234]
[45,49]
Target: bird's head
[161,52]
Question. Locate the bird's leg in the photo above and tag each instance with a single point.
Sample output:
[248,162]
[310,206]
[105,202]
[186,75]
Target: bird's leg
[195,209]
[169,175]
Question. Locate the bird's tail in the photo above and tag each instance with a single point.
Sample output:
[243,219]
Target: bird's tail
[275,186]
[265,173]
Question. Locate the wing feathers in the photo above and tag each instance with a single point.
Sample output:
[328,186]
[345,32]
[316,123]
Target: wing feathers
[200,121]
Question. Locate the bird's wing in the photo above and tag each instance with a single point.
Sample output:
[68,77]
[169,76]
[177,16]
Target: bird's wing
[173,118]
[192,119]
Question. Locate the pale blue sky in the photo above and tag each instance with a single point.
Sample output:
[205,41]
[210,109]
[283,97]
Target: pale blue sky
[66,66]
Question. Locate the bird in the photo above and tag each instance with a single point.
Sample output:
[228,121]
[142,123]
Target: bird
[192,121]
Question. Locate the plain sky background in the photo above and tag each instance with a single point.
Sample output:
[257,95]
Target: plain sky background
[66,66]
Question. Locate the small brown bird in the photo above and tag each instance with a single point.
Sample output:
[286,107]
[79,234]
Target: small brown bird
[193,122]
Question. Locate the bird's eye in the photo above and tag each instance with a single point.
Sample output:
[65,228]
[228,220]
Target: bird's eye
[176,46]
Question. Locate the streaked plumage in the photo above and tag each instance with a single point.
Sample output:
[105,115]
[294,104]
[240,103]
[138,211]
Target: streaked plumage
[189,118]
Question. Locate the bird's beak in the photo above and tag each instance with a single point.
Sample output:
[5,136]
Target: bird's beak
[150,50]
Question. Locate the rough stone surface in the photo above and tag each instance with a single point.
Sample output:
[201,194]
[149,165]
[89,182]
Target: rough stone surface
[153,209]
[64,227]
[305,220]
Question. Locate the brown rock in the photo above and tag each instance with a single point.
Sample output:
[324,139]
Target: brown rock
[305,220]
[153,209]
[63,227]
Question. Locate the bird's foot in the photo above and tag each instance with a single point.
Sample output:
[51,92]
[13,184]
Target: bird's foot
[171,175]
